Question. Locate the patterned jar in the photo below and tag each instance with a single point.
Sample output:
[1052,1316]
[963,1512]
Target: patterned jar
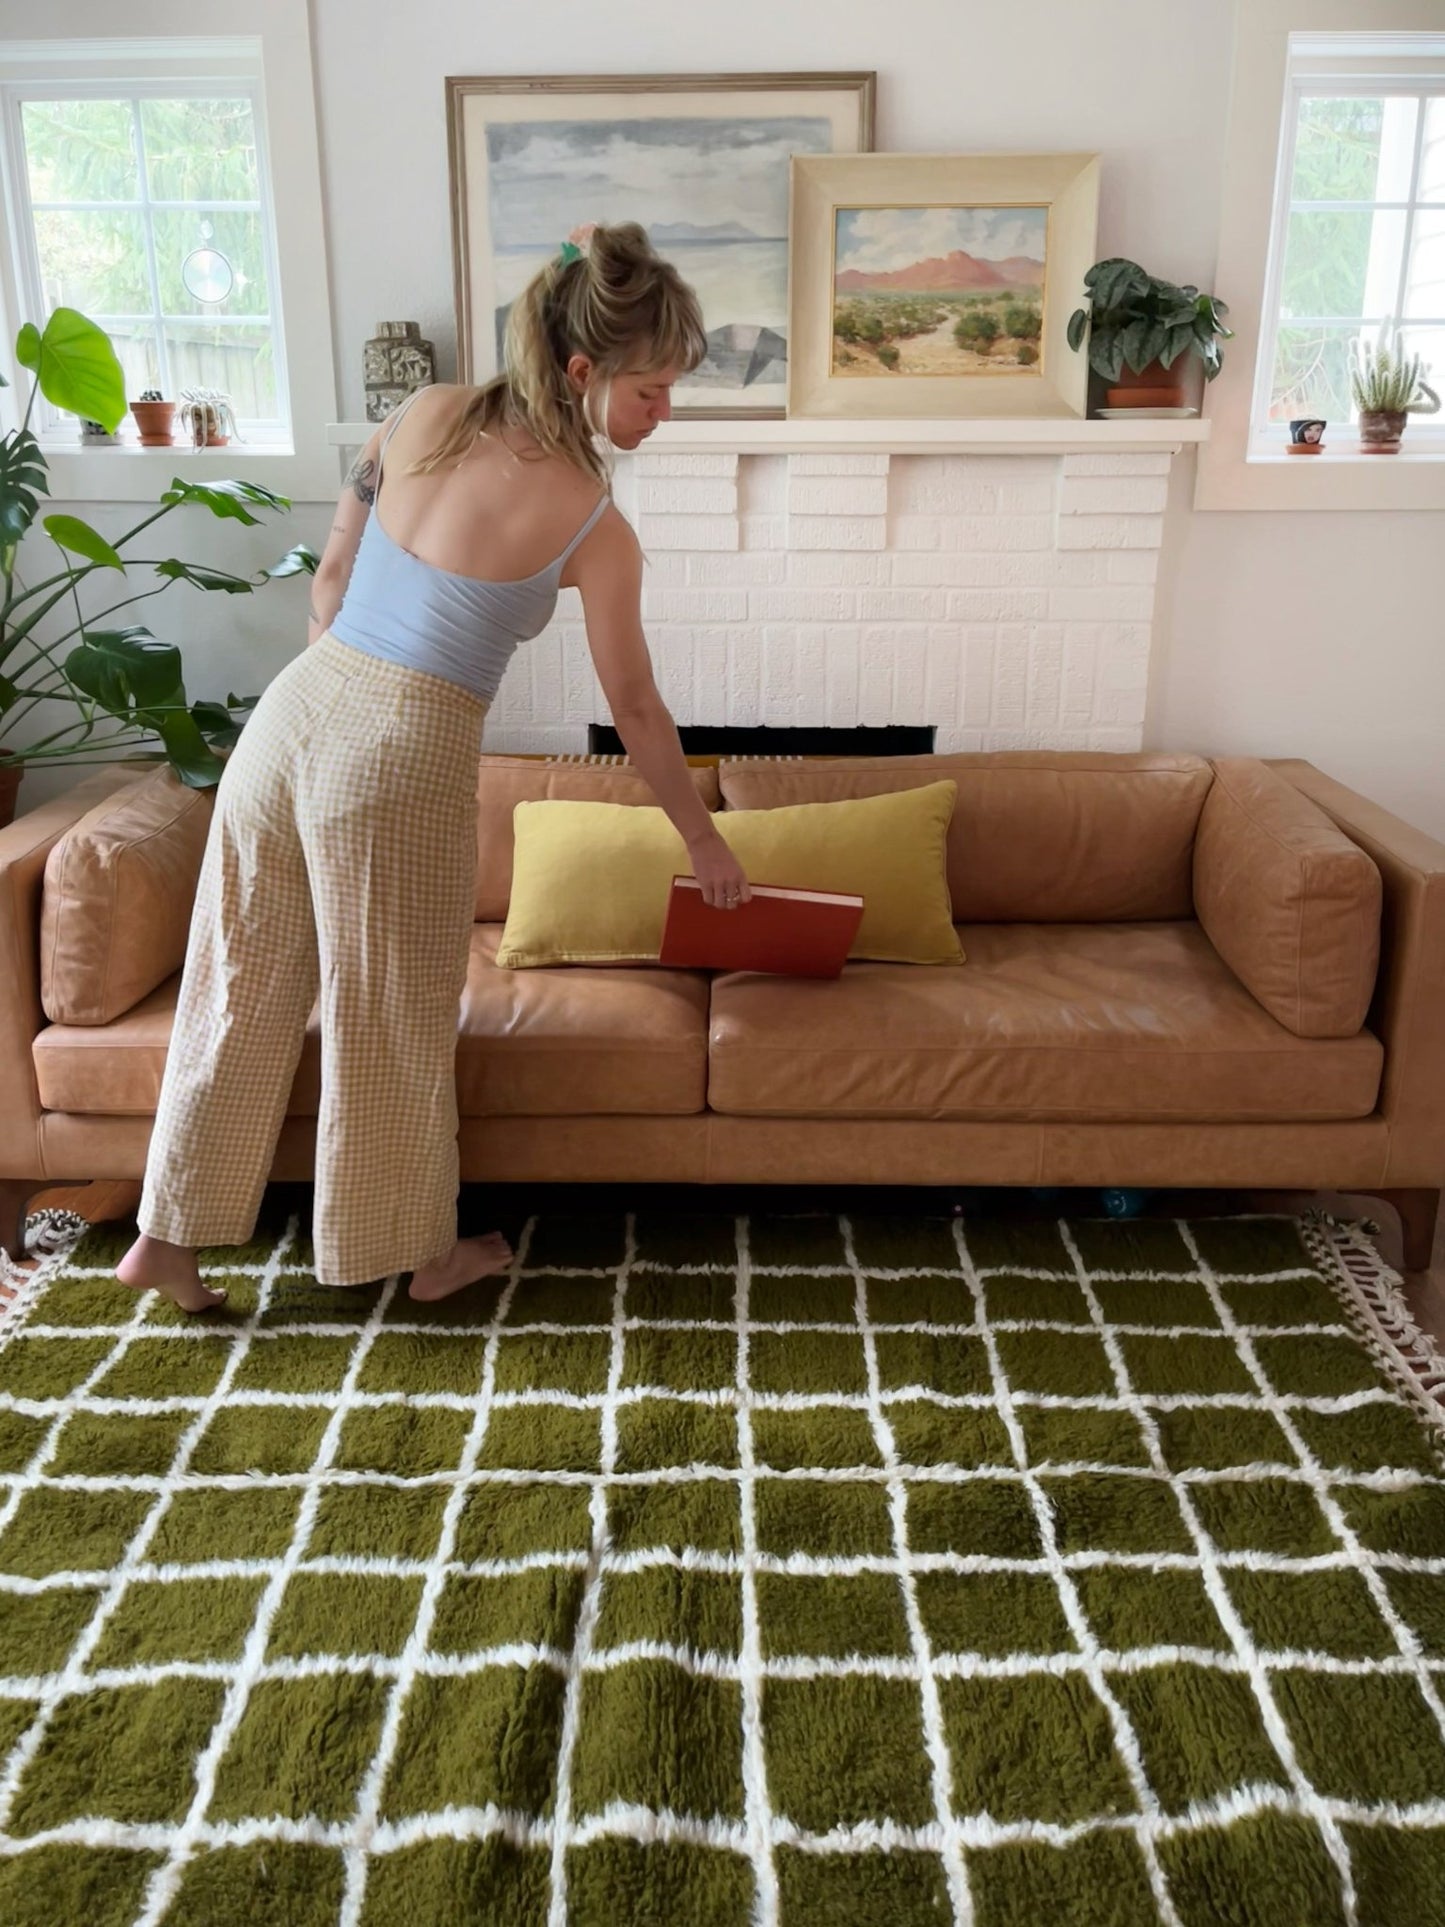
[395,362]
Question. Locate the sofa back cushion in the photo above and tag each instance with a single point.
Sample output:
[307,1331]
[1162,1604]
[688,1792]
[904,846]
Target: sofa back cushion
[1037,836]
[504,781]
[1288,901]
[116,907]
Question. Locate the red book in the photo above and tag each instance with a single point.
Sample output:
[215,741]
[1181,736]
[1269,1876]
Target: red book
[795,933]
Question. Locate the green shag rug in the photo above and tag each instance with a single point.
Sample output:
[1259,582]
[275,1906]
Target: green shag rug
[807,1570]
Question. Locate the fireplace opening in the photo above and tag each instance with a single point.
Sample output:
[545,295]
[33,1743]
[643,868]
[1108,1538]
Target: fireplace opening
[707,739]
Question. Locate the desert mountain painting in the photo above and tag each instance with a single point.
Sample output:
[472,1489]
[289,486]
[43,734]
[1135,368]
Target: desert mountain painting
[939,291]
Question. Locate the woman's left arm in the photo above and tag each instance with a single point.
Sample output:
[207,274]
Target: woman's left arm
[333,571]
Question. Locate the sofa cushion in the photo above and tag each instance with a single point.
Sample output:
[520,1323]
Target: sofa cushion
[536,1044]
[1097,1022]
[591,880]
[503,782]
[116,909]
[1289,902]
[1038,836]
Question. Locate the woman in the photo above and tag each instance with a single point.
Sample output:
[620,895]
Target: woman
[342,852]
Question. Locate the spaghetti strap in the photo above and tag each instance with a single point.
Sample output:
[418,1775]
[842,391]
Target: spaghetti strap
[585,528]
[391,421]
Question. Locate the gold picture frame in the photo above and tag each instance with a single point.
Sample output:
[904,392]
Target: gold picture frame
[533,156]
[907,273]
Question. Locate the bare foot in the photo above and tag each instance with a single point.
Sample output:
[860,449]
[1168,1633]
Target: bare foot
[468,1260]
[153,1265]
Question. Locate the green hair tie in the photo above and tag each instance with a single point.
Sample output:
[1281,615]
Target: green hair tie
[570,252]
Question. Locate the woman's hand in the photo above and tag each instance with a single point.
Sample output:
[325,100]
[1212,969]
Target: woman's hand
[723,879]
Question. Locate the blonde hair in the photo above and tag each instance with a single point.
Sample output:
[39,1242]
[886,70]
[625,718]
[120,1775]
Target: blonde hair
[615,301]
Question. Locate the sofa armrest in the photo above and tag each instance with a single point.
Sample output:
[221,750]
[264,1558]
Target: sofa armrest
[24,846]
[1407,1012]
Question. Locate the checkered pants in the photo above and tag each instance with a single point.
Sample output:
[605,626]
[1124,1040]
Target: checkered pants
[341,859]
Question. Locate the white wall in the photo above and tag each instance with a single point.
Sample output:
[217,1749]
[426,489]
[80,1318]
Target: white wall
[1288,634]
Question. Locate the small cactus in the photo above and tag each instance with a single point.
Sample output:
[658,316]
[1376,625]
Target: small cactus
[1385,378]
[150,394]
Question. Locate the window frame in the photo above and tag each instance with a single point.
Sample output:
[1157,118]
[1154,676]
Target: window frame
[272,435]
[274,66]
[1312,77]
[1274,39]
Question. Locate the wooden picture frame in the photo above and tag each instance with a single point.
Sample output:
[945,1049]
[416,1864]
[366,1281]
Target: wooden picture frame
[701,160]
[907,272]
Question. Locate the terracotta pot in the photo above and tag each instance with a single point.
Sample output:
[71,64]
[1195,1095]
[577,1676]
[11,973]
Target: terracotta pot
[10,775]
[155,420]
[1151,387]
[1380,430]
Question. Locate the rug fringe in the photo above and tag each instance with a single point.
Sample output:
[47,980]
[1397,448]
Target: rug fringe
[1375,1296]
[52,1235]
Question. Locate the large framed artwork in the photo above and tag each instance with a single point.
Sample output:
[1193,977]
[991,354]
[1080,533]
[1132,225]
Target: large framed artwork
[938,284]
[700,160]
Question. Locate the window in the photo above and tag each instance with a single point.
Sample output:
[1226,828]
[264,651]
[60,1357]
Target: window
[149,209]
[1358,238]
[169,186]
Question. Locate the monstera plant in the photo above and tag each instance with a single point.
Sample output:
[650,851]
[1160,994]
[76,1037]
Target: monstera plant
[104,687]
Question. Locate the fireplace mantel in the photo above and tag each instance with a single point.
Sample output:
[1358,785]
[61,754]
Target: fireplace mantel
[688,436]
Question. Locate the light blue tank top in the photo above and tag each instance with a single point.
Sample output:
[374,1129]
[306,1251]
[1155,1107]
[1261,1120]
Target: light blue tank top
[455,626]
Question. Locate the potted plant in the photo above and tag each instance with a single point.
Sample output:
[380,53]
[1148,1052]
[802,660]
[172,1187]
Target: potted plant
[96,434]
[206,414]
[112,688]
[1388,385]
[1139,326]
[154,417]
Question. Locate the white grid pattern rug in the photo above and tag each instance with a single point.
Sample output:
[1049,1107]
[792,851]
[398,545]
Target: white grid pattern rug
[777,1570]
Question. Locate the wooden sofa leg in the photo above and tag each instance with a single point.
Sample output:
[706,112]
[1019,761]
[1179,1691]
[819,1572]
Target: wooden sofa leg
[1418,1210]
[15,1195]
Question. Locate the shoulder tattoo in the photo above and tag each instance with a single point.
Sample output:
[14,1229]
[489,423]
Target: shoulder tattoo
[361,476]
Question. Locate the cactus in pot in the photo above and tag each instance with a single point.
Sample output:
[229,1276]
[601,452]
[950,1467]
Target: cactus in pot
[1388,384]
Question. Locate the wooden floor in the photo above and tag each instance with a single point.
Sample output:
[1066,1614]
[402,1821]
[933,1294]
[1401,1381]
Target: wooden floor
[1424,1289]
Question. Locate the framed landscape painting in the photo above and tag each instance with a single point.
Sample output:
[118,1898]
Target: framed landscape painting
[700,161]
[939,284]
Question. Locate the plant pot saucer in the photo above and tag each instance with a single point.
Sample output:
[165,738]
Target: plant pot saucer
[1304,448]
[1380,448]
[1145,414]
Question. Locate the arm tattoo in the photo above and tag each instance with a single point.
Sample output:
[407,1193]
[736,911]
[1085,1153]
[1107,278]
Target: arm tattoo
[360,475]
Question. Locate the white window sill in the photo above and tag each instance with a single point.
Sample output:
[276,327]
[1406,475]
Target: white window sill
[1339,478]
[126,472]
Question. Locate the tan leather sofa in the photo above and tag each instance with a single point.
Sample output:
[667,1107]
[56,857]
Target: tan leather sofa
[1180,972]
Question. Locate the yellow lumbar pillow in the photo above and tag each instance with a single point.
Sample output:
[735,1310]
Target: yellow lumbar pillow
[590,881]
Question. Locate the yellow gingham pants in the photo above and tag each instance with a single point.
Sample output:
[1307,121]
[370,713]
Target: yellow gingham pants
[341,859]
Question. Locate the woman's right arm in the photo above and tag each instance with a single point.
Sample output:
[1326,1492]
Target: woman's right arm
[607,568]
[333,571]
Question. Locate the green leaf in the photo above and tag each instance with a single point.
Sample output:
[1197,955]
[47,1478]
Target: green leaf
[1179,342]
[76,366]
[220,728]
[1116,280]
[1106,352]
[9,694]
[1141,341]
[197,765]
[203,578]
[23,479]
[125,670]
[81,539]
[229,500]
[1078,322]
[298,561]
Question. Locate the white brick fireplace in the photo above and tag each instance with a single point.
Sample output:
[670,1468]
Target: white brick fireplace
[1002,593]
